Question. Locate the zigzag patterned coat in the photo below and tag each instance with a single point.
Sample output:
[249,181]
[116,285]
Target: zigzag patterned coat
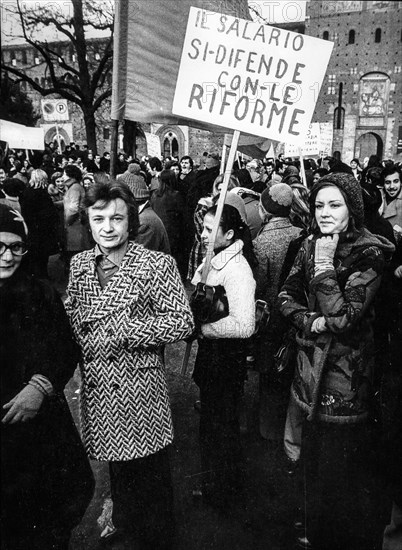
[125,411]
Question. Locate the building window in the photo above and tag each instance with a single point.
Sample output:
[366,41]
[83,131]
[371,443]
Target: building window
[14,62]
[352,36]
[353,70]
[339,118]
[97,56]
[331,84]
[36,60]
[397,69]
[106,132]
[377,36]
[325,35]
[335,36]
[24,59]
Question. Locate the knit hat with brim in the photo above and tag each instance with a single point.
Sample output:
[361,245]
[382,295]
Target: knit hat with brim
[277,199]
[350,189]
[11,221]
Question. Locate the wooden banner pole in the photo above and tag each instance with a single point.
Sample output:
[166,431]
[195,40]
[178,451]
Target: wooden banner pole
[303,172]
[215,228]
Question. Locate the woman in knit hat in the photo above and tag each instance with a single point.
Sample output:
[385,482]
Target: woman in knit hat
[47,482]
[329,297]
[219,370]
[270,247]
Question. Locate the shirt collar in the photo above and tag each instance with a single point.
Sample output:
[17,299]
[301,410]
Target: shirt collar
[115,256]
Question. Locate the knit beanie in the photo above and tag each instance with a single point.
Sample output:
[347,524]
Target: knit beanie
[134,168]
[138,187]
[351,190]
[277,199]
[11,221]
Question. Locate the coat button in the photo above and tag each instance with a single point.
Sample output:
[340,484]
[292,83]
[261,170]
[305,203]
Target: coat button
[115,386]
[89,357]
[85,329]
[91,385]
[112,357]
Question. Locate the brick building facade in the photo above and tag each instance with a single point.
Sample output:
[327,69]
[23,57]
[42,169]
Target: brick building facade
[362,91]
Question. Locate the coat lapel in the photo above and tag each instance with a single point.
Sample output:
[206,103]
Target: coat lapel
[120,291]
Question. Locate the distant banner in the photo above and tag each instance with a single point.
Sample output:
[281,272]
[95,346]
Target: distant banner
[250,77]
[311,144]
[153,144]
[326,137]
[318,141]
[19,136]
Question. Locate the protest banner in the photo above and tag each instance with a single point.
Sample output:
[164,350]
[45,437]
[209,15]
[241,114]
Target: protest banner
[311,145]
[153,145]
[326,135]
[249,77]
[21,137]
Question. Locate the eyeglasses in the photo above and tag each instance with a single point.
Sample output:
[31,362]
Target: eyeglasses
[17,249]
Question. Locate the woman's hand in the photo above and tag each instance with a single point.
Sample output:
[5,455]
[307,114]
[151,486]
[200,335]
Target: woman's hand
[319,325]
[398,272]
[325,248]
[23,406]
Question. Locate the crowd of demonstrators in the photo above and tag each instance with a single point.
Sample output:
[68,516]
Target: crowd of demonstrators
[319,252]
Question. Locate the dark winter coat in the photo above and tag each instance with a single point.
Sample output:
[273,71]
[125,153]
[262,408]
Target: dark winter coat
[46,478]
[334,368]
[41,218]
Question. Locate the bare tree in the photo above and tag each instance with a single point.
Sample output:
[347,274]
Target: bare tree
[76,67]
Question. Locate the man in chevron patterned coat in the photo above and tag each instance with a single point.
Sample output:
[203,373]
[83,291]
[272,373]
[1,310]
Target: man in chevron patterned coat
[125,301]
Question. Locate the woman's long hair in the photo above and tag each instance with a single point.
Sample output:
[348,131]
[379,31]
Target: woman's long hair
[39,179]
[231,219]
[300,211]
[168,183]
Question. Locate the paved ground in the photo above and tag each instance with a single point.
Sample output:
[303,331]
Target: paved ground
[262,522]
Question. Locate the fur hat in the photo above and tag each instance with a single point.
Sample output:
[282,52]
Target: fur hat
[351,190]
[11,221]
[277,199]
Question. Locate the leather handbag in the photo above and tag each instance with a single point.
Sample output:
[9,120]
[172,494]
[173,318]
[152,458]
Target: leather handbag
[209,303]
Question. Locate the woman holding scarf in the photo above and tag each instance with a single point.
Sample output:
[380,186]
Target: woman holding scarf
[328,296]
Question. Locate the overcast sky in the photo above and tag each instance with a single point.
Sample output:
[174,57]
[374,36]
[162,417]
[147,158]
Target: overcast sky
[11,28]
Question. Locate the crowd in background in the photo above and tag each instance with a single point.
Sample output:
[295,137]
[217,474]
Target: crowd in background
[324,253]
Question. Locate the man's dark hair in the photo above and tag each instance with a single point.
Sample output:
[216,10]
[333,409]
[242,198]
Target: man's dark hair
[106,191]
[388,171]
[187,157]
[155,164]
[72,171]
